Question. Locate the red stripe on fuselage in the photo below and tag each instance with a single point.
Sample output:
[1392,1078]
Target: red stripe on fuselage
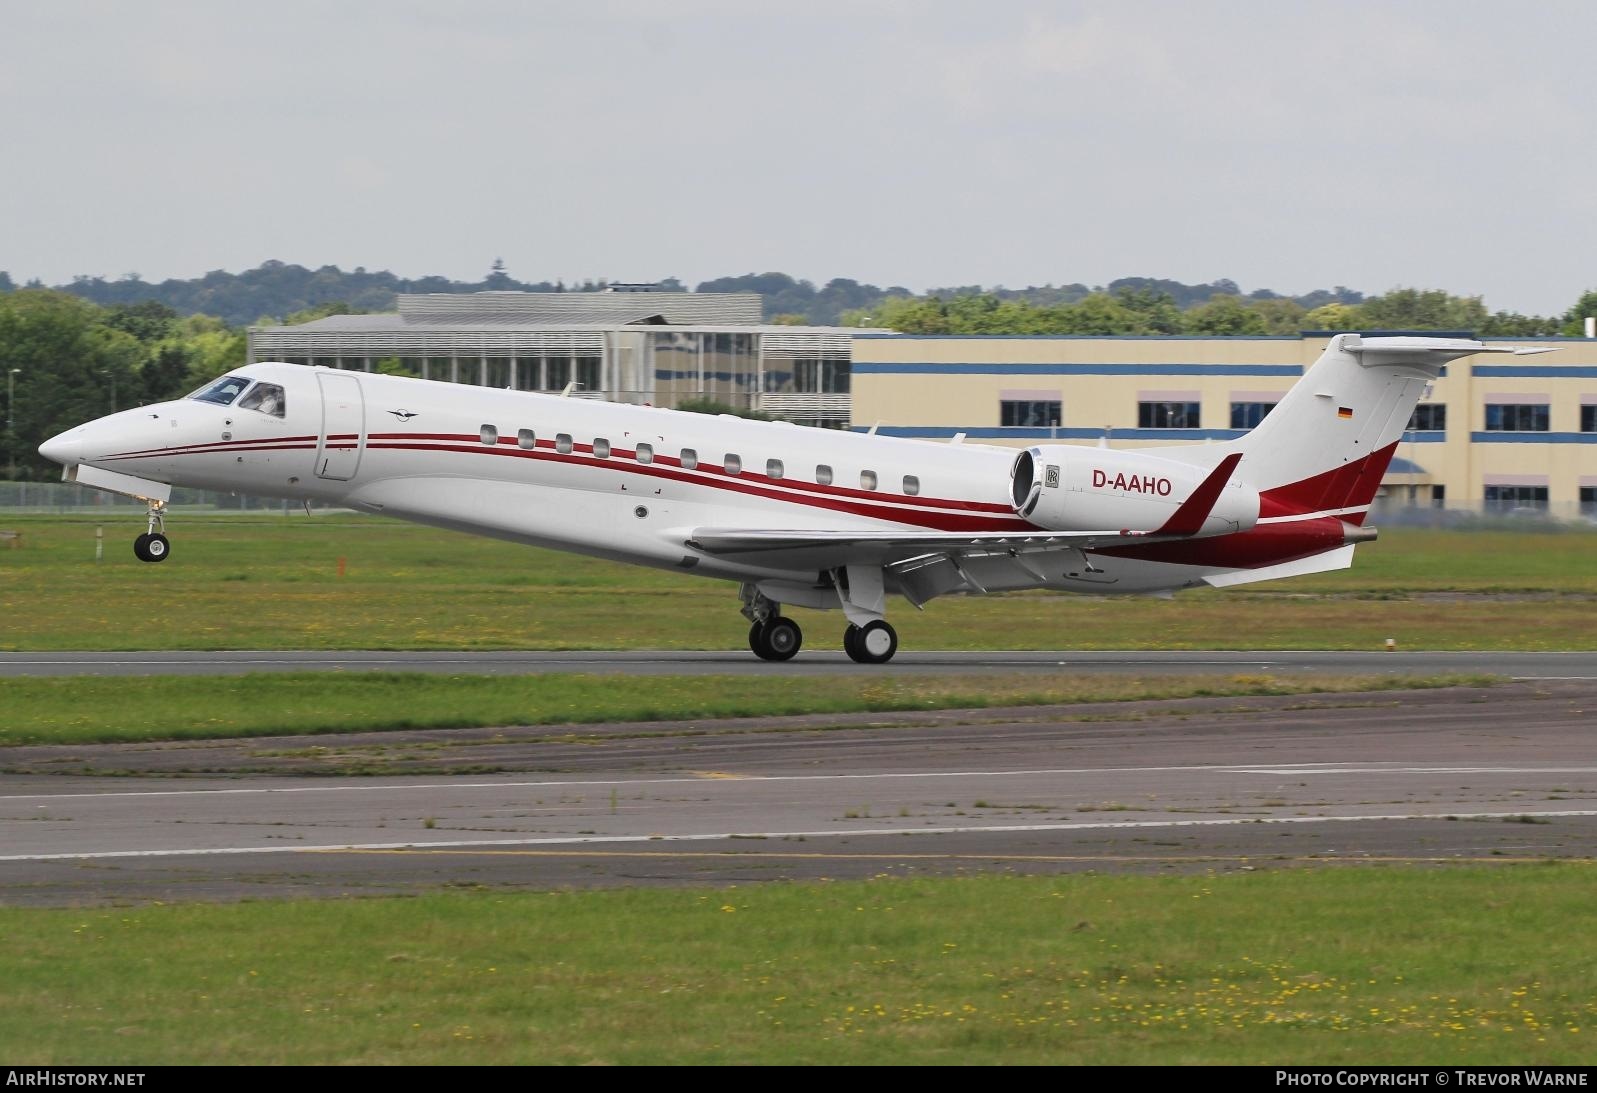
[747,483]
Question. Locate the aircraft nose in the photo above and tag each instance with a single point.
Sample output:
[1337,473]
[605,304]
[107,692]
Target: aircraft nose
[64,448]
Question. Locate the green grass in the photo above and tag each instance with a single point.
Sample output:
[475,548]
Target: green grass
[274,583]
[83,710]
[1360,965]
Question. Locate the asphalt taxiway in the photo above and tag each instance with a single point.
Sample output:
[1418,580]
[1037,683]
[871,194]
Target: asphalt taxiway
[1484,774]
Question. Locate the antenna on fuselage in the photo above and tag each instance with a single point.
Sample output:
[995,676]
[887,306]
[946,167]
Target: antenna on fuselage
[565,392]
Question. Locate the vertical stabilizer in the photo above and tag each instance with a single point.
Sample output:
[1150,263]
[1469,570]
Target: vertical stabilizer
[1326,445]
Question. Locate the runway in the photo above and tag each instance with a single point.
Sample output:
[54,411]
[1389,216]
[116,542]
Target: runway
[1488,774]
[1580,665]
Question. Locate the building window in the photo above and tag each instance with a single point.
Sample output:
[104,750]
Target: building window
[1588,419]
[818,377]
[526,439]
[732,464]
[911,485]
[773,468]
[587,376]
[1428,416]
[1167,415]
[563,443]
[823,474]
[867,480]
[1517,417]
[1030,413]
[601,448]
[644,453]
[488,435]
[1588,500]
[689,459]
[1247,415]
[1508,497]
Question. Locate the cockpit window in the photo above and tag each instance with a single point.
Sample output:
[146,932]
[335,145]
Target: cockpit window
[265,397]
[223,391]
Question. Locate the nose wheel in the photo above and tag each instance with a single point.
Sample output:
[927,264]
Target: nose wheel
[153,545]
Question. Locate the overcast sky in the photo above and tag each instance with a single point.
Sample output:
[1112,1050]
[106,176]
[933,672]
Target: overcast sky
[1284,145]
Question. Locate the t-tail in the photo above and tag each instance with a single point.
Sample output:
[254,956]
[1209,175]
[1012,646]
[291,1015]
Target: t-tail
[1326,446]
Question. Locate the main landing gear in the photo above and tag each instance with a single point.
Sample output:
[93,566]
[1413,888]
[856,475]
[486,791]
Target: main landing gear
[774,636]
[153,545]
[873,643]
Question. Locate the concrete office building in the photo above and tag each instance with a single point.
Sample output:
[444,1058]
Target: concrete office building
[627,345]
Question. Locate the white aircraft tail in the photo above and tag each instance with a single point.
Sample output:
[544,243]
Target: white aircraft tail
[1326,445]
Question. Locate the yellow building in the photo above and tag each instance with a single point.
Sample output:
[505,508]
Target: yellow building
[1489,434]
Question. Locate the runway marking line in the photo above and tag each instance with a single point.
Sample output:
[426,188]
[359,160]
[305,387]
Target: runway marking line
[590,840]
[699,778]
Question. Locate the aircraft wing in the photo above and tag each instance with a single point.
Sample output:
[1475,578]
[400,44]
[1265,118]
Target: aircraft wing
[900,543]
[893,550]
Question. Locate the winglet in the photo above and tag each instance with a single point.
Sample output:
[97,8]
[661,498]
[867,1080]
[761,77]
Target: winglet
[1189,518]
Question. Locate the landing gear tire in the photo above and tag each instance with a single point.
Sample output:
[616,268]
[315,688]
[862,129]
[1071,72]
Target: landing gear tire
[151,548]
[775,639]
[873,643]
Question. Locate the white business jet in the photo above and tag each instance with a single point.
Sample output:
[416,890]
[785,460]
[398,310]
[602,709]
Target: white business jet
[793,515]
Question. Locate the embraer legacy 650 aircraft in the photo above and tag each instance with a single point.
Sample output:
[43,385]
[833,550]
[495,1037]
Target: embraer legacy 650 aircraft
[793,515]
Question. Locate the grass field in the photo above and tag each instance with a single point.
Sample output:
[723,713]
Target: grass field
[275,583]
[85,710]
[1359,965]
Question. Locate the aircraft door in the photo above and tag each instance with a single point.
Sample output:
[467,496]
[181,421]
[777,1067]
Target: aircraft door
[343,426]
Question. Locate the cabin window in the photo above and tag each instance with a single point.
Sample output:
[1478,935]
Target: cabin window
[526,439]
[645,453]
[601,448]
[264,397]
[911,485]
[867,480]
[773,468]
[689,459]
[823,474]
[563,443]
[733,464]
[488,435]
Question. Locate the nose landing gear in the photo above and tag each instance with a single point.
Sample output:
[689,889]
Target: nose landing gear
[153,545]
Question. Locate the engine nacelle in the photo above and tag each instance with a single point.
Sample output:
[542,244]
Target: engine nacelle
[1063,487]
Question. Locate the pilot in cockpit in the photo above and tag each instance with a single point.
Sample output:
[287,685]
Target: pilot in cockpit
[264,397]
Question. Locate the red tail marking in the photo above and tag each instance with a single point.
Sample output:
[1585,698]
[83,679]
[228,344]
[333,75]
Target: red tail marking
[1351,485]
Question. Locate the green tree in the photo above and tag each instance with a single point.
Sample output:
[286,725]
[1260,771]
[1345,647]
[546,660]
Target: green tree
[71,367]
[211,348]
[1423,309]
[1224,315]
[1574,325]
[1280,315]
[1334,316]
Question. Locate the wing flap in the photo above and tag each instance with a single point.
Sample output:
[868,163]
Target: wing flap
[898,542]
